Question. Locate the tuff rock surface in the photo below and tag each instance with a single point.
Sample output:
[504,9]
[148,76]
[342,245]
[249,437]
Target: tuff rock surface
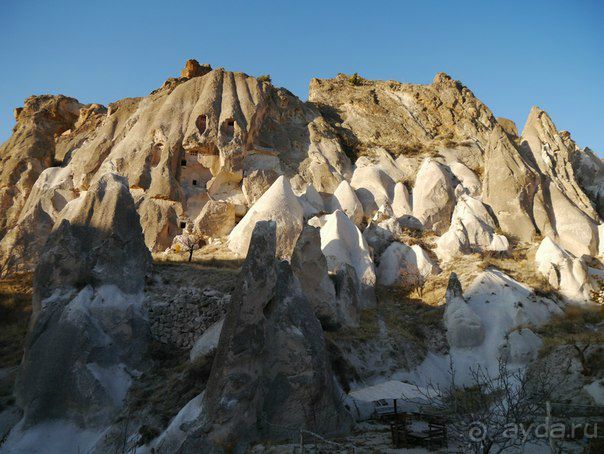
[271,371]
[89,332]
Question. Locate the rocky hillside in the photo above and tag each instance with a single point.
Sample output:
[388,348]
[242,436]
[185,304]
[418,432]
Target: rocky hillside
[329,241]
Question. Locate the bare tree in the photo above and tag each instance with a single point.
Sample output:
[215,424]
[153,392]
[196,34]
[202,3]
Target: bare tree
[189,241]
[483,414]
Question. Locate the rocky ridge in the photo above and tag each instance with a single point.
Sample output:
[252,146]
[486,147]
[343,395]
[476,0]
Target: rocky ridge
[360,217]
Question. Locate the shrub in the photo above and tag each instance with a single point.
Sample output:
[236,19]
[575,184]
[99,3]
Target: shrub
[355,80]
[265,78]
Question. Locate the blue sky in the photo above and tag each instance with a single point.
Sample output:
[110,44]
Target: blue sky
[511,54]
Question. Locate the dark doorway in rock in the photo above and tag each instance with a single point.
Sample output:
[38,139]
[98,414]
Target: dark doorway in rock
[228,128]
[183,224]
[201,123]
[194,182]
[183,162]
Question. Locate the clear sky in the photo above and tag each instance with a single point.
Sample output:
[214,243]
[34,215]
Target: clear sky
[511,54]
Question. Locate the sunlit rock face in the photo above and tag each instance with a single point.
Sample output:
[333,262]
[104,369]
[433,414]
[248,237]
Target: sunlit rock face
[89,332]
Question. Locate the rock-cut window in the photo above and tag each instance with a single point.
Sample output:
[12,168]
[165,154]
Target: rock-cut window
[194,182]
[183,162]
[201,123]
[228,128]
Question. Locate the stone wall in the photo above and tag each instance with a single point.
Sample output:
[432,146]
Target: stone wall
[180,320]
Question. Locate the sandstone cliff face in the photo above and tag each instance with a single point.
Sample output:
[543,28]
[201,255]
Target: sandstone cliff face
[405,119]
[216,135]
[31,149]
[195,139]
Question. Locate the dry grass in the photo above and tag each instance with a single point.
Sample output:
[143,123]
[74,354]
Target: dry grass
[520,265]
[15,311]
[404,317]
[578,324]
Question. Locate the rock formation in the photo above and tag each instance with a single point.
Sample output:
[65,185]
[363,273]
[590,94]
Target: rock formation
[510,186]
[271,376]
[310,267]
[564,271]
[278,204]
[369,183]
[570,214]
[345,199]
[464,327]
[408,266]
[373,187]
[343,243]
[89,332]
[216,219]
[433,196]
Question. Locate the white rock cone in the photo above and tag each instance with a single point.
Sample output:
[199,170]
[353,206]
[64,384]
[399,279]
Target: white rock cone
[345,199]
[433,196]
[404,265]
[564,271]
[280,204]
[342,242]
[401,204]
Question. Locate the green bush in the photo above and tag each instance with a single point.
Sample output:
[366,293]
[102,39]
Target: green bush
[355,80]
[265,78]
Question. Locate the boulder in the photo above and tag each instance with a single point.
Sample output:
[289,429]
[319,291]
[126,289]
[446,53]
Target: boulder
[407,266]
[345,199]
[409,222]
[378,238]
[89,332]
[194,69]
[564,271]
[433,196]
[279,204]
[373,187]
[256,183]
[463,325]
[478,224]
[160,219]
[401,203]
[499,243]
[453,242]
[216,219]
[271,371]
[342,242]
[467,178]
[317,221]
